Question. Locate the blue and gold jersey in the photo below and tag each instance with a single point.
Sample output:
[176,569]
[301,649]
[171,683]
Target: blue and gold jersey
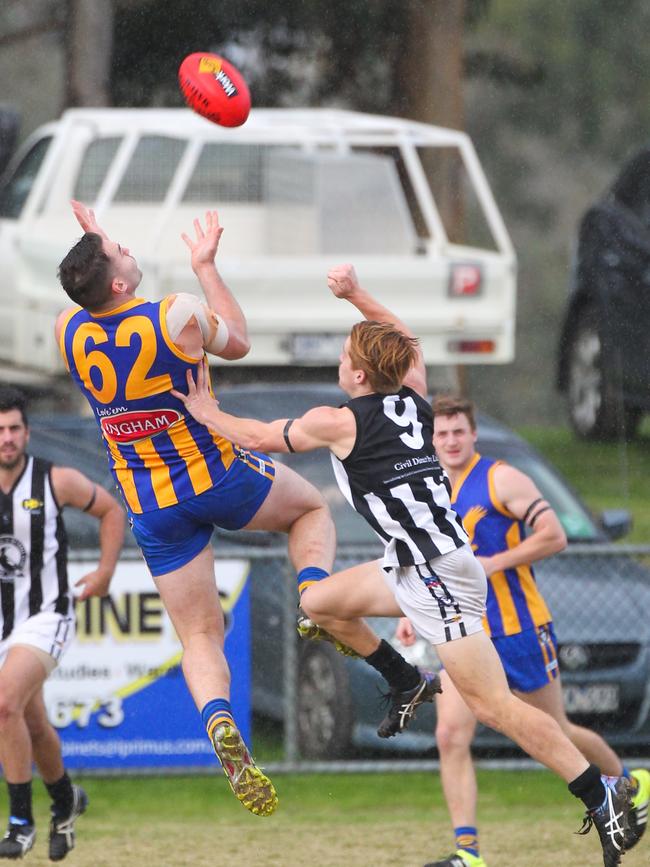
[125,364]
[514,602]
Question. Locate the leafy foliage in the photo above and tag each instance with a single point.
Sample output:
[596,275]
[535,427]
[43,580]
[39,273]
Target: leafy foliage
[344,52]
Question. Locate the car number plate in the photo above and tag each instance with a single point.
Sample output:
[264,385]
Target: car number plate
[595,698]
[316,347]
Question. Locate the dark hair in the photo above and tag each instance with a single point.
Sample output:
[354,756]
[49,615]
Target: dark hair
[384,353]
[452,404]
[12,398]
[85,273]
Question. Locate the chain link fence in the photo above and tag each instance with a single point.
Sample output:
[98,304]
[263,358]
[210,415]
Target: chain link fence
[315,710]
[599,596]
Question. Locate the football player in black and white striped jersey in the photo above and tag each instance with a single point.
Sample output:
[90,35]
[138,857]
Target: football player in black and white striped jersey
[37,619]
[386,466]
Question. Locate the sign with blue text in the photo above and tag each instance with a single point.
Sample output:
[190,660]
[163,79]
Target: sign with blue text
[118,698]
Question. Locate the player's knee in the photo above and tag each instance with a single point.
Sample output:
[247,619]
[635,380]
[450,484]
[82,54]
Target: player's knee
[209,631]
[309,498]
[313,604]
[573,732]
[493,712]
[39,728]
[10,710]
[451,737]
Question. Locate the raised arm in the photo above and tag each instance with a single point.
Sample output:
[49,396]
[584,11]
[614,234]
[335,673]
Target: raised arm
[343,281]
[218,296]
[322,427]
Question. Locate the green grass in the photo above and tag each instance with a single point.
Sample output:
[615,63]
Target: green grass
[332,820]
[606,475]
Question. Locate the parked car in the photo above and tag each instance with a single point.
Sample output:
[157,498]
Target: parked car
[604,352]
[600,599]
[297,190]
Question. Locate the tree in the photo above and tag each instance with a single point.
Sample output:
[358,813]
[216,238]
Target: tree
[89,41]
[432,87]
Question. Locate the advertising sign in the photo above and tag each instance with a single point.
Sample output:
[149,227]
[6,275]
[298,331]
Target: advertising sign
[118,698]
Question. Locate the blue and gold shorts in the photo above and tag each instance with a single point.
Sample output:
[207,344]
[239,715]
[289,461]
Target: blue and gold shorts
[171,537]
[529,657]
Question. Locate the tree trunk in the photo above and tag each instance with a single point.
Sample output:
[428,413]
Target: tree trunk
[89,43]
[432,92]
[431,85]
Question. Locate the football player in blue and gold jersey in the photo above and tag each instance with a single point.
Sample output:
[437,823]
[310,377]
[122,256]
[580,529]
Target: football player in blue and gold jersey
[510,525]
[178,478]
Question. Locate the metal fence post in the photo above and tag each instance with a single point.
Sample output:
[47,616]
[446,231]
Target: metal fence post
[290,673]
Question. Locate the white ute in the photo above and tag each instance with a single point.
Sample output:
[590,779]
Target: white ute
[297,191]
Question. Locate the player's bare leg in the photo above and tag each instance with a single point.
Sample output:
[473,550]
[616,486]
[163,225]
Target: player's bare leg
[475,668]
[550,699]
[21,676]
[69,800]
[191,598]
[338,605]
[455,727]
[294,506]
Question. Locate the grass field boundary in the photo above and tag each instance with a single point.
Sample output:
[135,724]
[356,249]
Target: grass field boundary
[352,766]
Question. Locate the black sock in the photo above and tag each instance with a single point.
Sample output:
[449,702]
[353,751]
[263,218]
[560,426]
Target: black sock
[62,795]
[20,801]
[589,788]
[399,673]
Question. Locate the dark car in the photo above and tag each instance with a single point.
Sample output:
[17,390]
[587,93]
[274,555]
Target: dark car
[604,352]
[600,598]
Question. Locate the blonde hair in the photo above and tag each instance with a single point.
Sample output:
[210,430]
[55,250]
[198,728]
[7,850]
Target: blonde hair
[384,354]
[454,404]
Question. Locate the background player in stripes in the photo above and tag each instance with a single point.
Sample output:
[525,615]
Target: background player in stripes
[37,618]
[386,466]
[510,526]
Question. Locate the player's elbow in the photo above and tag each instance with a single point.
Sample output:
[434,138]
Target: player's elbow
[558,541]
[238,346]
[115,518]
[251,443]
[255,439]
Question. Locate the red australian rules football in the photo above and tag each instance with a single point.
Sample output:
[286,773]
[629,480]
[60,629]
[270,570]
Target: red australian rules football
[213,88]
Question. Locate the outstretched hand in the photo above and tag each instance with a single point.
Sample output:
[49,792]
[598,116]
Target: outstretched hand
[205,247]
[86,218]
[342,280]
[198,401]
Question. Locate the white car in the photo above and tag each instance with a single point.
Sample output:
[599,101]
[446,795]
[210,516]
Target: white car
[297,191]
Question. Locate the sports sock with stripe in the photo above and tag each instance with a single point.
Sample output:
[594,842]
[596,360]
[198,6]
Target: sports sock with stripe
[308,576]
[20,803]
[216,712]
[467,839]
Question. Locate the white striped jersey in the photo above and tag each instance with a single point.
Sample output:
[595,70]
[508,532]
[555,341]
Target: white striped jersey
[33,549]
[392,477]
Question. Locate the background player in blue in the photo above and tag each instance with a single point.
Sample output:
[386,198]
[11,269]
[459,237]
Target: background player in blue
[177,478]
[386,466]
[510,526]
